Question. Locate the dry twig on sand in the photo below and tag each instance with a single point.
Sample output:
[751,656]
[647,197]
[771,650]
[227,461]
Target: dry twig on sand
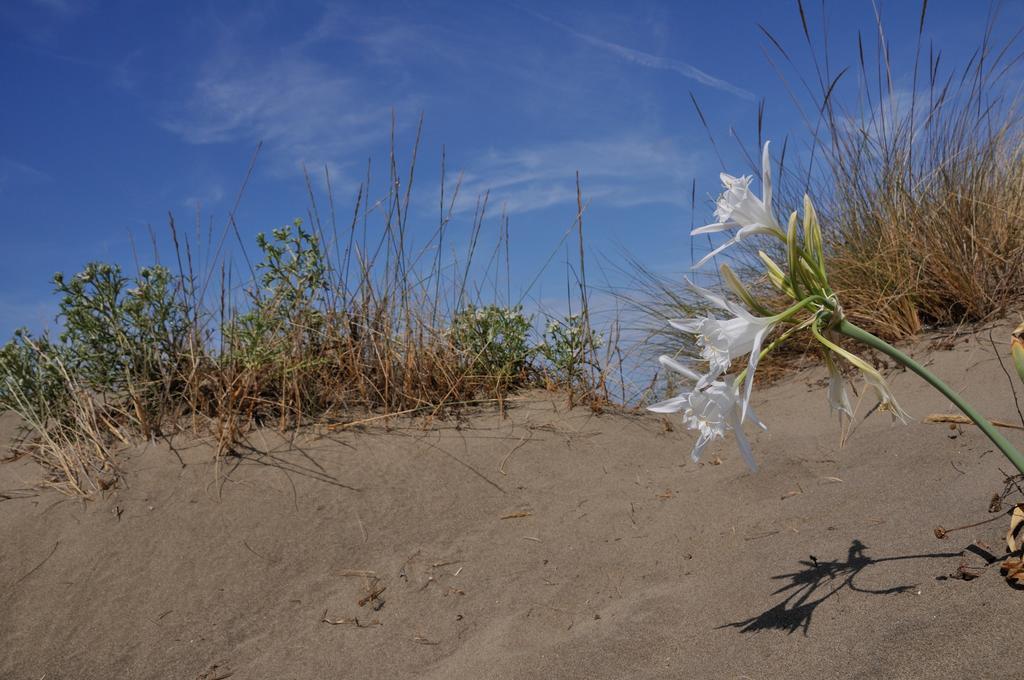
[957,419]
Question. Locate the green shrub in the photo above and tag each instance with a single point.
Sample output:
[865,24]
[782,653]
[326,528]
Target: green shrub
[494,340]
[293,271]
[147,355]
[293,287]
[92,307]
[31,382]
[116,335]
[568,345]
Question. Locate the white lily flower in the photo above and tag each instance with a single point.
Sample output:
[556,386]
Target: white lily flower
[872,378]
[887,400]
[739,207]
[680,402]
[721,341]
[712,409]
[838,399]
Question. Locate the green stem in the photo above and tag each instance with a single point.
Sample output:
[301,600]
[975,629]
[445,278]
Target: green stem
[808,301]
[785,316]
[742,375]
[1004,445]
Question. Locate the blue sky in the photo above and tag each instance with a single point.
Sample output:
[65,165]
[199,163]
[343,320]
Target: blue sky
[118,112]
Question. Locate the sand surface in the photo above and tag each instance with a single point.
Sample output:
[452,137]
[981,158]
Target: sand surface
[550,544]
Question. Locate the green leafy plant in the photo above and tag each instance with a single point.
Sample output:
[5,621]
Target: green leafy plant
[568,345]
[494,340]
[124,338]
[293,271]
[95,326]
[293,286]
[359,332]
[117,335]
[31,383]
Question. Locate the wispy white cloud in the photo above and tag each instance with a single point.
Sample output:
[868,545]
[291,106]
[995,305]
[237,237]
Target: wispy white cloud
[42,23]
[12,171]
[303,111]
[649,60]
[308,110]
[124,74]
[888,113]
[62,8]
[324,99]
[211,196]
[393,44]
[619,171]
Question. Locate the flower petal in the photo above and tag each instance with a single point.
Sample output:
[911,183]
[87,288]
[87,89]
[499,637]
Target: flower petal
[708,378]
[838,399]
[673,365]
[755,357]
[752,417]
[673,405]
[715,252]
[686,325]
[766,178]
[698,447]
[888,401]
[719,301]
[742,442]
[751,229]
[742,316]
[711,228]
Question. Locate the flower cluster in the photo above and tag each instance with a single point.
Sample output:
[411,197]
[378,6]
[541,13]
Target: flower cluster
[719,402]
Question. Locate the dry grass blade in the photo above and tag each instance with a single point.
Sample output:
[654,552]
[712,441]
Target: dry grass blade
[957,419]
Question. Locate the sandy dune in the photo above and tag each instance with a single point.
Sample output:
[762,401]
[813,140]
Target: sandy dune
[550,544]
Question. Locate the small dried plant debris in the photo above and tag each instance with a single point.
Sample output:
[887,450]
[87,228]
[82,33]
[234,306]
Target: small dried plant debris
[421,640]
[373,596]
[1013,567]
[354,621]
[966,572]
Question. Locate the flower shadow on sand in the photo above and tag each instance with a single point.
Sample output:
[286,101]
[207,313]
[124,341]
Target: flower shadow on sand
[817,582]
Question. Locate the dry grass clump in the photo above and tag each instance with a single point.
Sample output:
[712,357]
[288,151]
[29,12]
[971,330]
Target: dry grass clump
[334,325]
[946,250]
[917,174]
[920,191]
